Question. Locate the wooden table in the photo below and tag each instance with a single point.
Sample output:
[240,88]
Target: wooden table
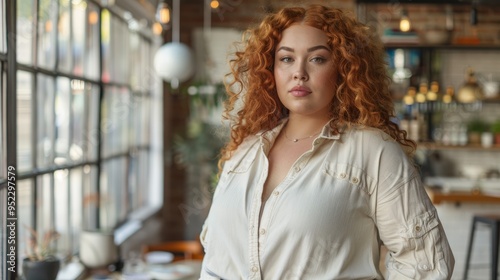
[475,196]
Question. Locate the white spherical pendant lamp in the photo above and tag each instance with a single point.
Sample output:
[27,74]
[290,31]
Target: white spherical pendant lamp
[174,62]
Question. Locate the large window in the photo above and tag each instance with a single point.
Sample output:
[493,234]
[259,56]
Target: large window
[87,104]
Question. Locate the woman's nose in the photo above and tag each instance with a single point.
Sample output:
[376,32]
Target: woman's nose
[300,74]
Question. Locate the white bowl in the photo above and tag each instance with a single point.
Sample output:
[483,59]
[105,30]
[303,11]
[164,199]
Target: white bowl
[159,257]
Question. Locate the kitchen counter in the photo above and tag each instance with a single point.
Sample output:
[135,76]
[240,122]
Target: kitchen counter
[438,196]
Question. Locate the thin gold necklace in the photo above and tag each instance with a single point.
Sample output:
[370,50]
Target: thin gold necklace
[295,140]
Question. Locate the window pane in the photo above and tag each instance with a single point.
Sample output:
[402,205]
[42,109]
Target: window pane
[135,59]
[3,29]
[143,179]
[61,210]
[78,28]
[106,121]
[145,66]
[93,48]
[113,193]
[24,212]
[106,41]
[45,120]
[120,51]
[62,110]
[91,137]
[76,214]
[47,19]
[145,124]
[24,128]
[25,30]
[63,37]
[90,197]
[78,119]
[114,126]
[44,203]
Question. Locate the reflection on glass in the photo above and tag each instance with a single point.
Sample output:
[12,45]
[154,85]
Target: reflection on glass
[75,210]
[92,60]
[25,30]
[61,210]
[62,110]
[63,37]
[24,100]
[44,203]
[78,28]
[78,105]
[90,198]
[47,18]
[25,219]
[45,120]
[3,29]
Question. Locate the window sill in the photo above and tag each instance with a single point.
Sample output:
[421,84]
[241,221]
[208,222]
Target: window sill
[134,224]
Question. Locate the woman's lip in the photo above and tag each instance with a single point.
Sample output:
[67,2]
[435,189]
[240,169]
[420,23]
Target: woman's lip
[300,91]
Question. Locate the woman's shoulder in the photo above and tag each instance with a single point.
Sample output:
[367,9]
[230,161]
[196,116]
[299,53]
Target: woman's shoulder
[370,134]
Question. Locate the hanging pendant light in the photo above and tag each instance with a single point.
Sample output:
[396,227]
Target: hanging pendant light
[174,61]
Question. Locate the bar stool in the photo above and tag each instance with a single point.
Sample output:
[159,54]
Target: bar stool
[494,222]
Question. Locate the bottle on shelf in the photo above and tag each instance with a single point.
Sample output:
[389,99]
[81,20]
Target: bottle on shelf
[448,97]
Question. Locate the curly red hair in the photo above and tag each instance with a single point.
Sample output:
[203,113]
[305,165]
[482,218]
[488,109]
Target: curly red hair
[362,93]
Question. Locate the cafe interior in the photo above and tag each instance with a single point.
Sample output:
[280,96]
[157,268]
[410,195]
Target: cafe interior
[111,125]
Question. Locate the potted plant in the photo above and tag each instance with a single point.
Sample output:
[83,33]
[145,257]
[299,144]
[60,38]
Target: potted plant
[495,129]
[475,128]
[41,262]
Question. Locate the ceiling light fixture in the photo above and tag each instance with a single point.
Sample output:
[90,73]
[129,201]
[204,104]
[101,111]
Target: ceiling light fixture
[404,23]
[163,14]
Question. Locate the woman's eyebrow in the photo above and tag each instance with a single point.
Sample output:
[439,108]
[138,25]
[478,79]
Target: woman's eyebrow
[311,49]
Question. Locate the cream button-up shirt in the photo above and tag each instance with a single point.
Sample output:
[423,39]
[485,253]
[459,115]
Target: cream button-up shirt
[327,219]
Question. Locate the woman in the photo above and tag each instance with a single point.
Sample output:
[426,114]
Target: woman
[316,177]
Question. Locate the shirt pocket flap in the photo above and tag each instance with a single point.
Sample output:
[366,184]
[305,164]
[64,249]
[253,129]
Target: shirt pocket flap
[355,176]
[420,225]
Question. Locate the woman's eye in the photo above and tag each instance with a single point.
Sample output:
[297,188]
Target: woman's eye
[318,59]
[286,59]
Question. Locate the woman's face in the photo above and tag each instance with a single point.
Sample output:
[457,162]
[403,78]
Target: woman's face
[304,71]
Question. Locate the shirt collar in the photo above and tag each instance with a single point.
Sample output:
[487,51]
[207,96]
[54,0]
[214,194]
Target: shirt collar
[271,134]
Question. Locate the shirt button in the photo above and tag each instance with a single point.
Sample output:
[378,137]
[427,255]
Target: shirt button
[355,180]
[343,175]
[418,228]
[423,267]
[276,193]
[262,231]
[255,269]
[297,169]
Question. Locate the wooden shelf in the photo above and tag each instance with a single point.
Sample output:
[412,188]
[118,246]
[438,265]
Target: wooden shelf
[446,46]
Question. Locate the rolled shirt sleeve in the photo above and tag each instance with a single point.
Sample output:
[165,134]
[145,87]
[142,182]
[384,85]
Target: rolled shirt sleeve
[412,232]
